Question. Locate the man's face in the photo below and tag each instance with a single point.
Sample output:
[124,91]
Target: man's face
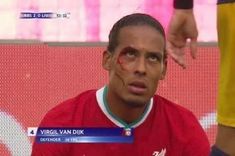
[136,65]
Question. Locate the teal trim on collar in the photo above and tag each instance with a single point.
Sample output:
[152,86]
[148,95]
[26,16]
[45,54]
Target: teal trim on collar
[126,125]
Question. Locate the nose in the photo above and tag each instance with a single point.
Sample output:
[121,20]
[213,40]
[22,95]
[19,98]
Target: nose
[140,66]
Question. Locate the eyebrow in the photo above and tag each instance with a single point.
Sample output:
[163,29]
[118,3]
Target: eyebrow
[129,48]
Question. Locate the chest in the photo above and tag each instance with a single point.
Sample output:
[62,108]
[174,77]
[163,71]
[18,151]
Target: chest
[145,144]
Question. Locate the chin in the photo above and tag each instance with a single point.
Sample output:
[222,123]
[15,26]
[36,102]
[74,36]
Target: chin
[137,101]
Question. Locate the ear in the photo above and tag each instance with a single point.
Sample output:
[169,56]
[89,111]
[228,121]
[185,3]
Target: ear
[106,61]
[164,68]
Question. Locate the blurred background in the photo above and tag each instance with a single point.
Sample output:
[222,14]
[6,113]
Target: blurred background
[45,61]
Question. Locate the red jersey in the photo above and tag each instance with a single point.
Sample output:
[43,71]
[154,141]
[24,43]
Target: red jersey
[165,129]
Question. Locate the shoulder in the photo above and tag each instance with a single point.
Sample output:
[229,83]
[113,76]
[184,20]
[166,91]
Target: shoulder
[172,108]
[63,114]
[176,114]
[184,125]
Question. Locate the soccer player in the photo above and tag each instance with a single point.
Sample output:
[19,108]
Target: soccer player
[183,27]
[136,61]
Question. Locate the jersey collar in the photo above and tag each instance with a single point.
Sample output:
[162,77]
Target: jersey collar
[100,96]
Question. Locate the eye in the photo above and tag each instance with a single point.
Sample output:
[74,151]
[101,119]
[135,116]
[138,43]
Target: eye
[130,54]
[154,58]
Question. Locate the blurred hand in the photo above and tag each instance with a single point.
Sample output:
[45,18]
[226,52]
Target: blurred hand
[182,28]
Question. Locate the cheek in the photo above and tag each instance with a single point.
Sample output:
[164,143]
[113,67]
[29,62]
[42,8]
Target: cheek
[155,70]
[154,76]
[117,75]
[153,85]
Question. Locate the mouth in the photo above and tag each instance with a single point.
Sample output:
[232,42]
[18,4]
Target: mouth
[137,87]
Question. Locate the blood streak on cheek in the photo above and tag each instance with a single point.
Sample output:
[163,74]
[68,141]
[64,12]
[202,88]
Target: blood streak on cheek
[123,62]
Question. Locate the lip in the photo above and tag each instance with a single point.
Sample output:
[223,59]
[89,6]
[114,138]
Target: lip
[137,87]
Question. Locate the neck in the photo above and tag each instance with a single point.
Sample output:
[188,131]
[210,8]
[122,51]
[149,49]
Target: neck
[127,112]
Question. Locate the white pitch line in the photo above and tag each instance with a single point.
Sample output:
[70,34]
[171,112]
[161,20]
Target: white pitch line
[208,120]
